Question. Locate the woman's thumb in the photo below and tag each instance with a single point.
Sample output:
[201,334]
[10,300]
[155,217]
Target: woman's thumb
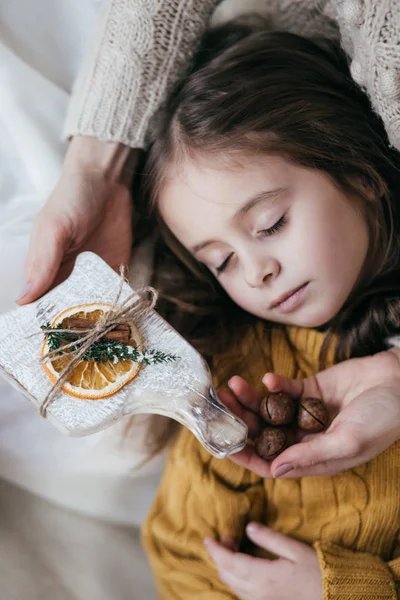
[326,453]
[46,251]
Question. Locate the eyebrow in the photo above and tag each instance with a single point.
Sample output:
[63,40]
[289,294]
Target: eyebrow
[243,210]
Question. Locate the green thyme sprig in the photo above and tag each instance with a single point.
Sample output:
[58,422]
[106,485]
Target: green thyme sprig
[104,350]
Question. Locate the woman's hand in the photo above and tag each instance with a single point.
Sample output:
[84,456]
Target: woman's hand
[363,397]
[294,574]
[89,209]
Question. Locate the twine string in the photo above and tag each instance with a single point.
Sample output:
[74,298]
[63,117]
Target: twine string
[133,307]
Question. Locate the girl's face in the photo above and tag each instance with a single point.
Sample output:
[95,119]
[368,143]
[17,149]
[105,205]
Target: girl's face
[285,243]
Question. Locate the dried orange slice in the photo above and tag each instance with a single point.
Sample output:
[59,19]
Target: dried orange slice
[89,379]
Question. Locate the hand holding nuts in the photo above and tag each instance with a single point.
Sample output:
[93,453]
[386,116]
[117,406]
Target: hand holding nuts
[278,408]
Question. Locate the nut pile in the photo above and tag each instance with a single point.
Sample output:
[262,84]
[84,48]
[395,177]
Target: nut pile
[309,414]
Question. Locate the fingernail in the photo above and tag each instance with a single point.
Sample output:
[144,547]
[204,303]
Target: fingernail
[282,470]
[252,528]
[25,291]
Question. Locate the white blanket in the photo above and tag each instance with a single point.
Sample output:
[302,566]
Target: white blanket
[47,551]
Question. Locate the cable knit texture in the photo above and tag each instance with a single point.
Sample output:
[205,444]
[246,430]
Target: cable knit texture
[143,46]
[371,36]
[353,518]
[140,49]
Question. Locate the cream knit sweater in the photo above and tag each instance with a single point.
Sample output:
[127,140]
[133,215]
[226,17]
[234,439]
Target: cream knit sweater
[142,46]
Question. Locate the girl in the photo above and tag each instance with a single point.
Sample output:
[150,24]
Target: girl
[137,52]
[270,171]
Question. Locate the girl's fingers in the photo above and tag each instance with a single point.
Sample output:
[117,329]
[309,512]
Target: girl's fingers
[226,560]
[228,542]
[275,542]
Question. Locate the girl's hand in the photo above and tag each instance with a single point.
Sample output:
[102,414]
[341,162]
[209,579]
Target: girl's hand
[294,574]
[89,209]
[363,397]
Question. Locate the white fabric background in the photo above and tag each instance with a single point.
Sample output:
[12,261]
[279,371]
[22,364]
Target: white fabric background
[47,551]
[41,44]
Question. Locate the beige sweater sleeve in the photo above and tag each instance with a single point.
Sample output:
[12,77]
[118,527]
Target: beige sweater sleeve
[370,34]
[143,46]
[139,50]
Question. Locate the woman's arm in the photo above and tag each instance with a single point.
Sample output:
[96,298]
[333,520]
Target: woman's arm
[89,209]
[138,52]
[140,49]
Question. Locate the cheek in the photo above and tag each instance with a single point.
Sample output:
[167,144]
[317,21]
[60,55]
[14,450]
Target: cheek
[338,252]
[233,288]
[238,291]
[246,298]
[299,252]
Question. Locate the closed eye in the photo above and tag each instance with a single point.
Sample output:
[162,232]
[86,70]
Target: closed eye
[263,233]
[223,265]
[278,225]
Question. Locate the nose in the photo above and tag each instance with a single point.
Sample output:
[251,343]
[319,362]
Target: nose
[258,273]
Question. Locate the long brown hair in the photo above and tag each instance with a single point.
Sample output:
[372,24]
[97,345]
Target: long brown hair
[258,91]
[277,93]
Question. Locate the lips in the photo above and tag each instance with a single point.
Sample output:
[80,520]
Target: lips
[285,296]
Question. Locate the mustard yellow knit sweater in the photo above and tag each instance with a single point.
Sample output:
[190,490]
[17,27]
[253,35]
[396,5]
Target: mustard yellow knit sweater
[352,519]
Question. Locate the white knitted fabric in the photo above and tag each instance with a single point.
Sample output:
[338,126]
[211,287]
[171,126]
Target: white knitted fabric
[370,32]
[142,46]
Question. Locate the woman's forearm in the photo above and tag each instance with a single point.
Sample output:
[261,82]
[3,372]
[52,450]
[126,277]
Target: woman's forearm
[92,158]
[87,154]
[138,52]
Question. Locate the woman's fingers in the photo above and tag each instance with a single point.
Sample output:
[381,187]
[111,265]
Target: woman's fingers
[324,454]
[313,454]
[46,251]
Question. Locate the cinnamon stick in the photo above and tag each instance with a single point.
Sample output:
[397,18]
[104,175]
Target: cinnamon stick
[120,333]
[80,323]
[117,336]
